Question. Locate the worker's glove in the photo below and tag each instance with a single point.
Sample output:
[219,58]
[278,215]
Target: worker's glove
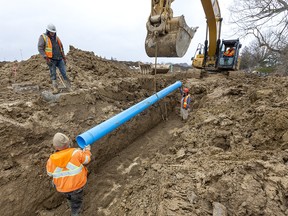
[87,148]
[48,61]
[65,61]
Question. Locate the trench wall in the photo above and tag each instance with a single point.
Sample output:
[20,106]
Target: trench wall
[25,188]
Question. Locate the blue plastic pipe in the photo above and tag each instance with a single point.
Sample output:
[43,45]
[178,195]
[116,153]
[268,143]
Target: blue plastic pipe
[97,132]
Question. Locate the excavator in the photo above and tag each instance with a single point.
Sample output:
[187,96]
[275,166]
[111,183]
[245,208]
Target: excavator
[169,36]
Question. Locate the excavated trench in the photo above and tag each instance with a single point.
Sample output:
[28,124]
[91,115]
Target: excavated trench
[231,155]
[25,180]
[116,158]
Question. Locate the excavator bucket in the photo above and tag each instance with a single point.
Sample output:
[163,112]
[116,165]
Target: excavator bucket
[172,44]
[150,68]
[160,69]
[145,68]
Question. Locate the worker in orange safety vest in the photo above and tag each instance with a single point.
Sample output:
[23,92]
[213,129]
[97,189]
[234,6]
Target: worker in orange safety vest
[51,49]
[66,166]
[185,103]
[230,52]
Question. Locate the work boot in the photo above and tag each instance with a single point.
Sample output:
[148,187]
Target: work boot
[68,85]
[55,87]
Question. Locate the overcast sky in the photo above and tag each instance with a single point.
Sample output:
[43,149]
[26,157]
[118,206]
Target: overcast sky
[112,28]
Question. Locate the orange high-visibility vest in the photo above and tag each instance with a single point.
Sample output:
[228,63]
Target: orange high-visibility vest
[230,52]
[48,47]
[185,105]
[66,168]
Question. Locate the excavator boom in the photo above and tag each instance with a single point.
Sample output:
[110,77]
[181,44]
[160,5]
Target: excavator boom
[213,19]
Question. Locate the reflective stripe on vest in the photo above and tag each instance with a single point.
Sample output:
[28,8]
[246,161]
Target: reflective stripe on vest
[185,101]
[48,47]
[71,169]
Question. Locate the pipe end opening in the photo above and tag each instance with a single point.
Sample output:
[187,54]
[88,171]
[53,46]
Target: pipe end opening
[81,142]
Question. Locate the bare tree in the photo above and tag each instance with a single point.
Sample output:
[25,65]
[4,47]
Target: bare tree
[256,56]
[246,59]
[282,68]
[267,20]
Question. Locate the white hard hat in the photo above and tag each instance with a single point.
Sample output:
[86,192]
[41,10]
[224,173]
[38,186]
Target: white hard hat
[61,141]
[51,28]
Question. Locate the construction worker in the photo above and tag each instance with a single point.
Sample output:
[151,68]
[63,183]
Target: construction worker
[230,52]
[51,48]
[66,168]
[185,103]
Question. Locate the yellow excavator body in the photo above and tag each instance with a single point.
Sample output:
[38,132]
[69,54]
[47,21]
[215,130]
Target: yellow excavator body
[198,61]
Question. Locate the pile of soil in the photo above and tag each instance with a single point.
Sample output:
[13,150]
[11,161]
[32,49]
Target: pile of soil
[229,158]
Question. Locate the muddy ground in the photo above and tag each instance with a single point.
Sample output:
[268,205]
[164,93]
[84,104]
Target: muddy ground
[229,158]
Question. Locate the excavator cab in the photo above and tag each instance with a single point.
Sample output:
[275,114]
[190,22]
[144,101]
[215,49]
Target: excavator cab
[223,60]
[226,59]
[167,36]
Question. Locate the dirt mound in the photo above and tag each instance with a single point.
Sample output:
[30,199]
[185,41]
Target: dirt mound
[230,156]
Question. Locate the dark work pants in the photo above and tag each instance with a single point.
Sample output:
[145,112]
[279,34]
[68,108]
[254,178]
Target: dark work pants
[75,199]
[57,64]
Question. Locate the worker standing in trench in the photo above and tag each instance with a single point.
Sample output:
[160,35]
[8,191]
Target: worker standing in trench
[185,103]
[66,168]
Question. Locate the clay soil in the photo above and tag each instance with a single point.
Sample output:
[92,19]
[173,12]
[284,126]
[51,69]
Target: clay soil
[229,158]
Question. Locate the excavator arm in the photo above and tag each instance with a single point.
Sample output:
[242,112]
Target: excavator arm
[214,20]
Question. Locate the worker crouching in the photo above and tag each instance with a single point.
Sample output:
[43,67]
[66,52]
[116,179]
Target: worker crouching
[66,166]
[185,103]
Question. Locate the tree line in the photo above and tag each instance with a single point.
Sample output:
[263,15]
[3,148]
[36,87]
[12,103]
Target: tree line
[267,22]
